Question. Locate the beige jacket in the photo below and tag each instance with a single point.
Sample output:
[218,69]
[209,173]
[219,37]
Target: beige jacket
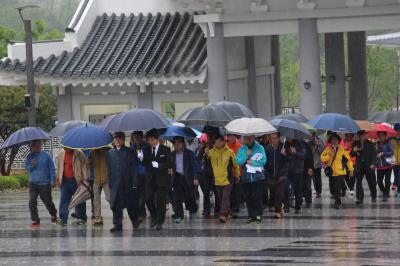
[79,165]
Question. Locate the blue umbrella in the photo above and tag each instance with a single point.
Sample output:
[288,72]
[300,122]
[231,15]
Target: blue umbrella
[334,122]
[290,129]
[63,128]
[24,136]
[86,137]
[136,120]
[176,131]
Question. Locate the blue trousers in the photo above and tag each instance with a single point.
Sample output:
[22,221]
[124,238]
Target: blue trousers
[67,190]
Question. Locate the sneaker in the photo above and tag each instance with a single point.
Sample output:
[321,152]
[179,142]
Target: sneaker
[61,222]
[53,219]
[351,194]
[178,220]
[271,209]
[250,220]
[223,218]
[258,219]
[81,222]
[159,227]
[35,223]
[74,215]
[97,221]
[278,215]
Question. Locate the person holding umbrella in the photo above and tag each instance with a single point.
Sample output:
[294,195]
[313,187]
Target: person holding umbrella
[317,147]
[99,174]
[138,144]
[157,158]
[42,175]
[396,166]
[276,171]
[122,170]
[184,179]
[338,165]
[384,163]
[296,154]
[224,170]
[252,157]
[71,171]
[365,153]
[235,198]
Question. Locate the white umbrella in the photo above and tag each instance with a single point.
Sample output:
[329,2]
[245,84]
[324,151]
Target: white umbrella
[250,126]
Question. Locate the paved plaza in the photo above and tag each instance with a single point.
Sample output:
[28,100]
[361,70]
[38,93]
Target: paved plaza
[367,235]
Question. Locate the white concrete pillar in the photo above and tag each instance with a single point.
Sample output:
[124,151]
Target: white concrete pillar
[335,73]
[64,104]
[310,84]
[145,97]
[217,68]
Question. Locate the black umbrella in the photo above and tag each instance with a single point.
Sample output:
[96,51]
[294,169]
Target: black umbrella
[296,117]
[236,110]
[136,120]
[64,127]
[390,117]
[209,115]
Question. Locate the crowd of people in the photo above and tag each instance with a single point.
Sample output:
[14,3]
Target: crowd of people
[268,172]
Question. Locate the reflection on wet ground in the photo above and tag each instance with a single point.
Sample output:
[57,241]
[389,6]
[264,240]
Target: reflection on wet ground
[367,235]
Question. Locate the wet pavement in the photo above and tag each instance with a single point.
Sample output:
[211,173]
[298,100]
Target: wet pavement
[353,235]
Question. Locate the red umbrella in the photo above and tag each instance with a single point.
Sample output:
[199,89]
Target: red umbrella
[373,134]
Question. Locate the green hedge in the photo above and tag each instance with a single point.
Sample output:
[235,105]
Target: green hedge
[13,182]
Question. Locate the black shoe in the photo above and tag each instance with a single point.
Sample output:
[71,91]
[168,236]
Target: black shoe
[153,224]
[336,206]
[116,228]
[159,227]
[359,202]
[250,220]
[74,215]
[297,211]
[286,209]
[373,200]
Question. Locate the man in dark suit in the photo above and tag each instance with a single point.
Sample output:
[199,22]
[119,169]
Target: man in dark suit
[122,169]
[157,158]
[184,175]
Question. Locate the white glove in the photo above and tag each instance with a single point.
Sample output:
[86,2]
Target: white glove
[140,155]
[155,164]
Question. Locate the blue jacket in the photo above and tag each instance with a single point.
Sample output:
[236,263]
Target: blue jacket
[122,173]
[44,172]
[189,166]
[387,150]
[141,167]
[258,159]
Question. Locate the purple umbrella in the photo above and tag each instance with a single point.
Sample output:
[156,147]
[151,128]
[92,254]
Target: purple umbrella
[24,136]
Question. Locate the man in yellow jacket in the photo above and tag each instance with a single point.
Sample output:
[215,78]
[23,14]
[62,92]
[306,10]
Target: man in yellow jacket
[224,170]
[338,159]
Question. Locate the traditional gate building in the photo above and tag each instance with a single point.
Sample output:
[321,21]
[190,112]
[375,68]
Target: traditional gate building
[172,54]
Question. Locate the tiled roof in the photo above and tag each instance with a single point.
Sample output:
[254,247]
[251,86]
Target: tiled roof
[151,46]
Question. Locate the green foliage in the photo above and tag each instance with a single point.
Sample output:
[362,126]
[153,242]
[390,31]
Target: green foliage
[23,180]
[6,34]
[9,182]
[12,107]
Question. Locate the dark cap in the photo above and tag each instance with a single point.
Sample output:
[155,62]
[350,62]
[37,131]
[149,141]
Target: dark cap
[120,135]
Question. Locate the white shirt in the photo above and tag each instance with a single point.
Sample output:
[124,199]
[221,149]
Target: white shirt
[155,149]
